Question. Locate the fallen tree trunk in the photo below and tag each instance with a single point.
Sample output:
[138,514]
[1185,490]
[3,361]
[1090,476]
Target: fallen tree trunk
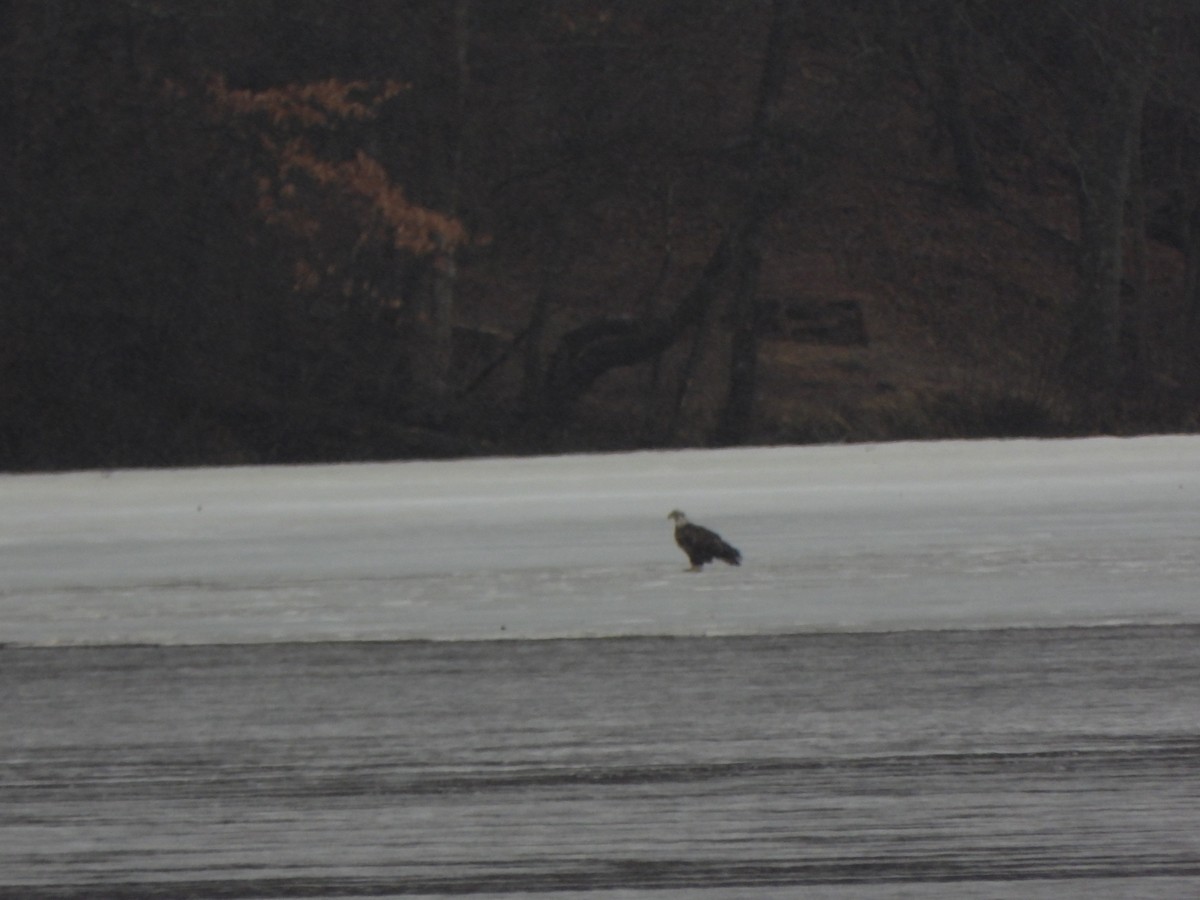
[601,345]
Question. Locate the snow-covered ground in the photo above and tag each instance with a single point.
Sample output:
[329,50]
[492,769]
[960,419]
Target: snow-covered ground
[864,537]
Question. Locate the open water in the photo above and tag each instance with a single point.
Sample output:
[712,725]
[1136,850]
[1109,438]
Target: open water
[1033,762]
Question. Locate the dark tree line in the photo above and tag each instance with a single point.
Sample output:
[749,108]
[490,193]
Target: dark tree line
[247,231]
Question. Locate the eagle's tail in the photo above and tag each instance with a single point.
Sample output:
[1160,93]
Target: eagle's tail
[729,554]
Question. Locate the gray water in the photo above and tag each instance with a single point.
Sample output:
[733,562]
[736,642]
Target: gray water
[1022,763]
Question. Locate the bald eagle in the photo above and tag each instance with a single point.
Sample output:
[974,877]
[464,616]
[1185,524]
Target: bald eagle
[702,545]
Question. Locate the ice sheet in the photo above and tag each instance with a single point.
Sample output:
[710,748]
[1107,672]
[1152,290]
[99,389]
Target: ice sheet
[858,537]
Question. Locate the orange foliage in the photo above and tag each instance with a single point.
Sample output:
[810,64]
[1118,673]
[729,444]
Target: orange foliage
[312,105]
[413,227]
[321,105]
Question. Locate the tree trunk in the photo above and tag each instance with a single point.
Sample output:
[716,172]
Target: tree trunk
[686,376]
[597,347]
[737,416]
[1095,336]
[954,112]
[1105,119]
[555,266]
[436,324]
[1134,326]
[1192,272]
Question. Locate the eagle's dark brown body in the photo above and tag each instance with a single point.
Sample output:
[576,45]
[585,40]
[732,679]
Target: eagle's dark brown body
[701,544]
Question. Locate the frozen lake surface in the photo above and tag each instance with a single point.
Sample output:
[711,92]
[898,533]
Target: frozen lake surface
[876,537]
[945,670]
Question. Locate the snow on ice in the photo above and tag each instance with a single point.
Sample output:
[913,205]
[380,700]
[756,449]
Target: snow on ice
[862,537]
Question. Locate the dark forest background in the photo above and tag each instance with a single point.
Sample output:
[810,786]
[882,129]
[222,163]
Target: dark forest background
[246,231]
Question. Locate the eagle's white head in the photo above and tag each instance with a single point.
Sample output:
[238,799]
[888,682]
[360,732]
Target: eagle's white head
[678,517]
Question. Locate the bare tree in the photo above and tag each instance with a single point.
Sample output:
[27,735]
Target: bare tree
[763,198]
[1107,54]
[953,28]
